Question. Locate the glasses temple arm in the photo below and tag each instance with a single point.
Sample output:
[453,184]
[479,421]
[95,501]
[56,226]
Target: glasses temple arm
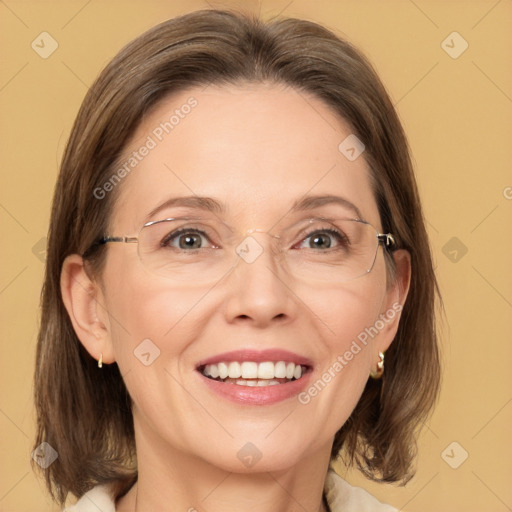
[124,239]
[387,239]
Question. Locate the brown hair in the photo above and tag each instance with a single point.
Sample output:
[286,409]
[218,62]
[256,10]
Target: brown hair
[85,414]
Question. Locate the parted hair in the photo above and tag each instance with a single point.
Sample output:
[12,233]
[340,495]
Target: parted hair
[85,413]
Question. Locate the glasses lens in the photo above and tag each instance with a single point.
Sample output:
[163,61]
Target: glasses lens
[333,251]
[187,250]
[194,251]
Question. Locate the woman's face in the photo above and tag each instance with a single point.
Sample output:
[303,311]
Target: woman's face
[257,150]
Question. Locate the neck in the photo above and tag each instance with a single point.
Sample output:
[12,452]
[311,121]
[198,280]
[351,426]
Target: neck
[170,479]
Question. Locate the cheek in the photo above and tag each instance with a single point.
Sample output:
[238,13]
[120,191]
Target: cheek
[348,310]
[154,328]
[347,315]
[143,307]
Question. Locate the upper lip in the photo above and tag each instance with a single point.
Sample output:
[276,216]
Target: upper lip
[258,356]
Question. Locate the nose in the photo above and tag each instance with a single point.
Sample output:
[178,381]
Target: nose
[258,291]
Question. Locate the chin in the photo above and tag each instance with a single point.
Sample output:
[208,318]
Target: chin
[258,454]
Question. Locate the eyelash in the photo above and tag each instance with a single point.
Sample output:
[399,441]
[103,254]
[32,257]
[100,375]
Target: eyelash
[341,237]
[175,234]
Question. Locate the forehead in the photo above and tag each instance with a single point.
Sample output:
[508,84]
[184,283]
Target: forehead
[257,149]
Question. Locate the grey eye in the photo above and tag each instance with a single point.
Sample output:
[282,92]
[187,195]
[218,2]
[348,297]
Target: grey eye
[323,239]
[186,239]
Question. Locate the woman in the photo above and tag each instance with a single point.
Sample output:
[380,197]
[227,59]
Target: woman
[239,285]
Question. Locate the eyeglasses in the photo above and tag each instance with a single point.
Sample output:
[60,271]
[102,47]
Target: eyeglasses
[200,250]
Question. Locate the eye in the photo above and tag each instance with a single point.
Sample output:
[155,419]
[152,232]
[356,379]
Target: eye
[186,239]
[324,239]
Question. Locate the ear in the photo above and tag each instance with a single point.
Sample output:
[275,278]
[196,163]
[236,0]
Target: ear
[394,301]
[84,302]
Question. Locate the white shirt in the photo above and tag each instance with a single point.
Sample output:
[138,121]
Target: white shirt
[341,496]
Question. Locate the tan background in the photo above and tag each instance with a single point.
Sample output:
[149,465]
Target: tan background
[457,114]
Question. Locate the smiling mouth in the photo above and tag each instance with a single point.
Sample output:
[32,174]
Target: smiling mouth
[250,373]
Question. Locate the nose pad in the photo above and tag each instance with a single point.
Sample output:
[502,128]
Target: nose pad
[250,249]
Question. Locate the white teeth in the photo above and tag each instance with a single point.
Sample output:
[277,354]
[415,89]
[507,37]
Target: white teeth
[214,371]
[280,370]
[223,370]
[249,370]
[266,370]
[259,383]
[267,382]
[234,371]
[260,374]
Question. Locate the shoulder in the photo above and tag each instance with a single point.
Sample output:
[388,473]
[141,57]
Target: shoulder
[343,497]
[98,498]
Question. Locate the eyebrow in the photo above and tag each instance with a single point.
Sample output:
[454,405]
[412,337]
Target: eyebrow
[194,202]
[212,205]
[312,202]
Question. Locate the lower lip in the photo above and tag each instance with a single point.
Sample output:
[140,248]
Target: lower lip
[257,395]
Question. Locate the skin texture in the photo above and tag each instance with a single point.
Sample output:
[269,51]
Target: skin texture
[257,149]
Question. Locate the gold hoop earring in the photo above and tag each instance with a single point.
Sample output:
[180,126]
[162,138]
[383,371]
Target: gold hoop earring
[377,374]
[100,361]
